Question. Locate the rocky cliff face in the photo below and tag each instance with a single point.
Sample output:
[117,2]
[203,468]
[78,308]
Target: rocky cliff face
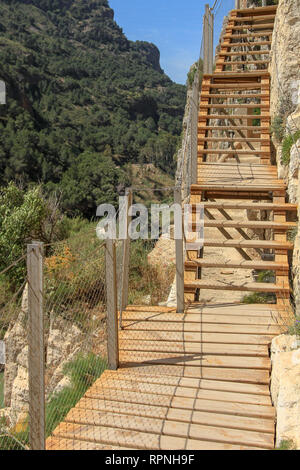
[285,115]
[285,58]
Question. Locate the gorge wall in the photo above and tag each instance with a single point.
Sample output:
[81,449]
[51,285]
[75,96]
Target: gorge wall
[285,118]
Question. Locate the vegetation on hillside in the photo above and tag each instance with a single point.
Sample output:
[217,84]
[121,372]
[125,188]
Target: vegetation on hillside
[83,101]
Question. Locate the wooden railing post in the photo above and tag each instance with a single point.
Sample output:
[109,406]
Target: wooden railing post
[112,309]
[36,352]
[179,259]
[126,255]
[208,34]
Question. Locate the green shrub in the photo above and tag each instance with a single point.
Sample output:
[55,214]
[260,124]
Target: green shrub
[295,328]
[286,444]
[259,298]
[287,144]
[82,372]
[292,233]
[266,276]
[277,128]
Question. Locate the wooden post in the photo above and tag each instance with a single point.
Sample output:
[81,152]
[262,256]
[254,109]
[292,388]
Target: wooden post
[112,311]
[208,41]
[179,260]
[36,351]
[126,256]
[237,4]
[211,43]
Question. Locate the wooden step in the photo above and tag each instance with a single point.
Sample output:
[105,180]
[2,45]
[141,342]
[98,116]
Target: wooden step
[254,11]
[183,415]
[253,265]
[241,185]
[244,317]
[262,244]
[269,26]
[246,62]
[242,19]
[222,117]
[230,151]
[252,224]
[255,74]
[248,44]
[235,86]
[224,338]
[203,384]
[170,414]
[236,128]
[231,95]
[234,106]
[180,347]
[193,360]
[206,328]
[248,35]
[226,139]
[247,287]
[126,438]
[146,433]
[243,53]
[262,206]
[159,389]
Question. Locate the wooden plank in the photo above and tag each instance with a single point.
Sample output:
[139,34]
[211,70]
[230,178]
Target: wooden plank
[200,383]
[209,373]
[60,443]
[140,440]
[251,224]
[178,391]
[244,264]
[144,345]
[226,339]
[206,327]
[202,360]
[174,428]
[232,105]
[241,19]
[243,319]
[248,205]
[232,152]
[248,35]
[254,26]
[198,404]
[179,415]
[233,116]
[263,244]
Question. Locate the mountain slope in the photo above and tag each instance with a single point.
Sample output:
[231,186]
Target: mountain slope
[83,101]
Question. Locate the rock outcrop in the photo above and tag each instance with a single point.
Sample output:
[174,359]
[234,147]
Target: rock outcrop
[64,340]
[285,58]
[285,387]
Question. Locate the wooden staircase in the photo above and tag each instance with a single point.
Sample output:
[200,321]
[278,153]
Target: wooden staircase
[235,174]
[201,380]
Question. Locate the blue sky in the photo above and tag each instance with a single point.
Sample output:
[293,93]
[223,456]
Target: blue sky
[174,26]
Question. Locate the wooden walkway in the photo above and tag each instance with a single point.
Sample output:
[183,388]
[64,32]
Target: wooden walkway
[193,381]
[201,380]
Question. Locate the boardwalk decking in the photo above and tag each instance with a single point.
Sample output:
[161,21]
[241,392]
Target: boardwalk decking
[200,380]
[193,381]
